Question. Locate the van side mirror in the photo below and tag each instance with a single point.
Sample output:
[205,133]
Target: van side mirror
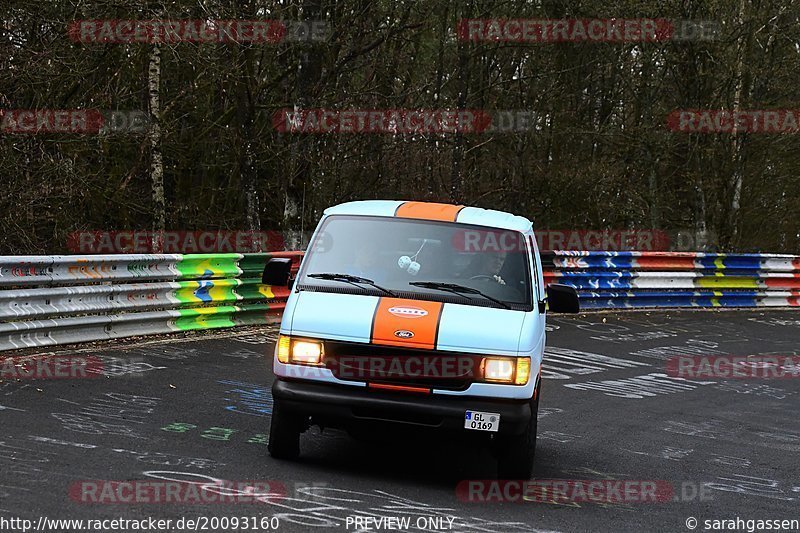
[562,298]
[276,271]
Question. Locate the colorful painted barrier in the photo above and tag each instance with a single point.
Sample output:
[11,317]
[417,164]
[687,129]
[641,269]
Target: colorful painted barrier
[51,300]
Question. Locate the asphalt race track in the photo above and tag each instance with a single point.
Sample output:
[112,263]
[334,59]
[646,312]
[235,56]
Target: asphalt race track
[197,409]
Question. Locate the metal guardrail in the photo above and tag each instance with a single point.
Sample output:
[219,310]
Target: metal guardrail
[50,300]
[676,279]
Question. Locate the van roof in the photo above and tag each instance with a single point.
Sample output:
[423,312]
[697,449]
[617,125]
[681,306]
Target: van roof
[433,211]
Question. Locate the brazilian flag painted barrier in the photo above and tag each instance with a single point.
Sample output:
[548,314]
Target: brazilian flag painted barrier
[51,300]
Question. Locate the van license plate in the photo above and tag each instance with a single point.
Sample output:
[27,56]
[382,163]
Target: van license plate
[480,421]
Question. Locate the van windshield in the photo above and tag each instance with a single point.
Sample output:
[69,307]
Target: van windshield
[419,259]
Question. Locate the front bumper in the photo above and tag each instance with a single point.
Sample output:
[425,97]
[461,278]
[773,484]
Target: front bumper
[349,407]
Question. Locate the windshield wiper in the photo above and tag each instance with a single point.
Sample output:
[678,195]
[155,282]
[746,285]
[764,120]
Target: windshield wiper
[455,288]
[352,280]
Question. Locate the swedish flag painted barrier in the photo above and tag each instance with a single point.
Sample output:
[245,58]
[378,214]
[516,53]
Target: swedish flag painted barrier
[676,279]
[50,300]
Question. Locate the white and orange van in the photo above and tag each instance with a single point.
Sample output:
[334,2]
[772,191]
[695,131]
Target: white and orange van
[415,315]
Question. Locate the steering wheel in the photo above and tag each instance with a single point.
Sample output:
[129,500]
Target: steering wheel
[483,276]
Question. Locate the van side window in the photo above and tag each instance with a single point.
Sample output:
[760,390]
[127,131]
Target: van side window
[535,272]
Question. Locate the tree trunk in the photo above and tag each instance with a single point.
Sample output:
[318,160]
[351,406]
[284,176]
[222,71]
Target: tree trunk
[245,111]
[307,77]
[156,161]
[737,139]
[457,170]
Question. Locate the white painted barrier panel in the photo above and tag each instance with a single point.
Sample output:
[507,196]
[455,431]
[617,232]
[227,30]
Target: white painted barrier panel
[25,270]
[114,268]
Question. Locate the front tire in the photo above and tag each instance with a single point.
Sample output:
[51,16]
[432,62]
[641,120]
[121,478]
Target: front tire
[517,453]
[284,434]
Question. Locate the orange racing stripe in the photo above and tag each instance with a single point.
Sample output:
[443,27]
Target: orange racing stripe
[428,211]
[407,323]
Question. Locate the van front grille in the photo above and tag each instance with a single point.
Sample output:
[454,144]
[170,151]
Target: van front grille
[373,363]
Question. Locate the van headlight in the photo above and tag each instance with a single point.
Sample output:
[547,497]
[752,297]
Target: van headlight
[516,370]
[299,351]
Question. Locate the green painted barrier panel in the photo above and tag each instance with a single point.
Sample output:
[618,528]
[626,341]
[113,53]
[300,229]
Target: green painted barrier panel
[208,266]
[255,314]
[207,291]
[252,265]
[254,290]
[206,318]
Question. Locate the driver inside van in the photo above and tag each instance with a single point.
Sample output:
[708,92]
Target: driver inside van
[487,265]
[365,260]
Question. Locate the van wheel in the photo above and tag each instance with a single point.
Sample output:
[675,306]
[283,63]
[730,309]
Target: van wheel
[284,434]
[516,453]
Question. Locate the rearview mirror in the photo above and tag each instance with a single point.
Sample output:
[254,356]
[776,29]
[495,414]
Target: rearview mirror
[276,271]
[562,299]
